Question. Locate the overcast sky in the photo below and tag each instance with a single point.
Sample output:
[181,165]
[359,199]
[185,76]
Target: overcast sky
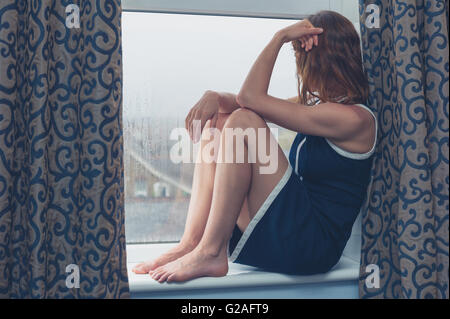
[169,60]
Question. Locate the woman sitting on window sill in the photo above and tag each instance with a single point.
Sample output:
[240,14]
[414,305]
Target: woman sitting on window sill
[297,216]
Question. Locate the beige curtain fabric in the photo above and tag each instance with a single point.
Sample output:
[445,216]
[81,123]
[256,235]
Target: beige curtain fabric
[406,220]
[61,167]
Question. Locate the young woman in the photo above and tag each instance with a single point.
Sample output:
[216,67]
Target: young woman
[298,219]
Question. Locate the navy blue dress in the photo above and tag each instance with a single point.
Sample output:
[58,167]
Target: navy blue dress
[305,223]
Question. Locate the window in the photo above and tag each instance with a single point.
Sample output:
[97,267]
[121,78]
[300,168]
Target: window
[169,60]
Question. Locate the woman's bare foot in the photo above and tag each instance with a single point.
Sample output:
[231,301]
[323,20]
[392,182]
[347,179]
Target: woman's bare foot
[195,264]
[176,252]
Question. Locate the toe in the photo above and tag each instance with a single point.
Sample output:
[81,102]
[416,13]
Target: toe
[155,274]
[172,278]
[163,277]
[158,269]
[158,274]
[145,267]
[139,269]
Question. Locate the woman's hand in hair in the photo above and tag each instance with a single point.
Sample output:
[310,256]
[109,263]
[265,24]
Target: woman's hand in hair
[303,31]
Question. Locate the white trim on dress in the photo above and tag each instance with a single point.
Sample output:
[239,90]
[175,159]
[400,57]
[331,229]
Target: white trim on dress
[298,152]
[357,156]
[260,214]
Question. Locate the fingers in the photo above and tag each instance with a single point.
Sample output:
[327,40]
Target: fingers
[188,121]
[315,31]
[196,121]
[191,119]
[307,44]
[309,41]
[200,125]
[195,129]
[214,121]
[310,37]
[207,108]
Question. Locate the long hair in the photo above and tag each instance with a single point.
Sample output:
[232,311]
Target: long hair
[333,70]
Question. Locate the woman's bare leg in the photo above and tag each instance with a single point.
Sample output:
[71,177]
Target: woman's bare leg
[233,184]
[198,211]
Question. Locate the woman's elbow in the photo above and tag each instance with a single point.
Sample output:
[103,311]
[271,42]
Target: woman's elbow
[246,99]
[242,98]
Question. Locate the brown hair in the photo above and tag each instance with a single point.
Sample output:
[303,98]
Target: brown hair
[333,70]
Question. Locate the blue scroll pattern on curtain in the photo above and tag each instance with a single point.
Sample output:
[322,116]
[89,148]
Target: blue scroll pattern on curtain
[406,221]
[61,166]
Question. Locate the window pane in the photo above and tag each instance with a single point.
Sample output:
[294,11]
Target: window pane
[169,61]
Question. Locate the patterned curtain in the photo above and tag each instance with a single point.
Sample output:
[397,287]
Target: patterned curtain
[406,219]
[61,167]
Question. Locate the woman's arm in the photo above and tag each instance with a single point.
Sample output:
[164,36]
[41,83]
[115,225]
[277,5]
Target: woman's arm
[329,120]
[294,99]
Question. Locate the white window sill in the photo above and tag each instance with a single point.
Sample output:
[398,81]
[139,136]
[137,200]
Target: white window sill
[239,276]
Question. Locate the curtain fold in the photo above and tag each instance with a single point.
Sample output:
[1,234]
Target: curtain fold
[405,227]
[61,166]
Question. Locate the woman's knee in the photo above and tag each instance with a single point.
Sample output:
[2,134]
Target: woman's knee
[244,118]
